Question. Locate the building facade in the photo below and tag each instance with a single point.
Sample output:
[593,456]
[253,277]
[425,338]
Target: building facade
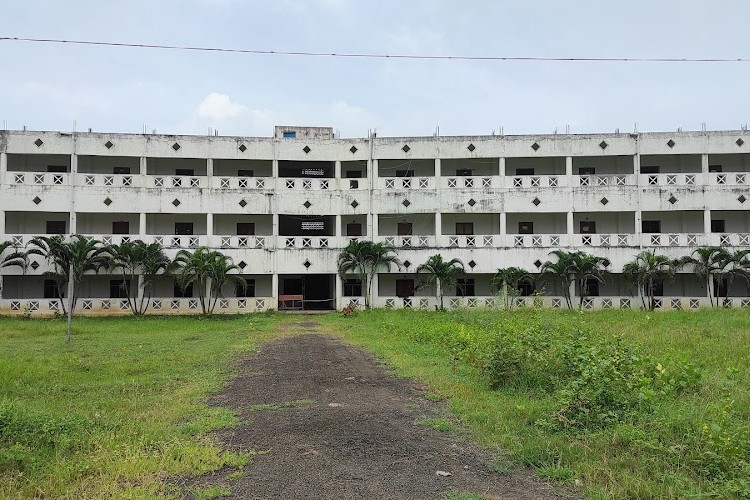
[283,207]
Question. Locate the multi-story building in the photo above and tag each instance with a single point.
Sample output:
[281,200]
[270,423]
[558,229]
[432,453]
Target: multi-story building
[283,207]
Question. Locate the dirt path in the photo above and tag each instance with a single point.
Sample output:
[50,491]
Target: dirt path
[337,425]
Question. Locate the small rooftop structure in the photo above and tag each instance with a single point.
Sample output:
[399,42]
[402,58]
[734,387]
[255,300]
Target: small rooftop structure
[291,132]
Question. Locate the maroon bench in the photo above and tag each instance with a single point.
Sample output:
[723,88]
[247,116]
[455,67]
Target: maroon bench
[291,302]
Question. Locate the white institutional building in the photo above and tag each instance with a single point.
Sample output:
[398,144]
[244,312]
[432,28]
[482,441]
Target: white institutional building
[283,207]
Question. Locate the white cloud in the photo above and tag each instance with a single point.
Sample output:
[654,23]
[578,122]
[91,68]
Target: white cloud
[218,106]
[353,121]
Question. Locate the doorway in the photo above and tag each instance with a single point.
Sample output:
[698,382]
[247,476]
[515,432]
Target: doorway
[315,291]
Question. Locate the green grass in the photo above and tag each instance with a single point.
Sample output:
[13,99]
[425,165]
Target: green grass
[439,424]
[120,409]
[692,443]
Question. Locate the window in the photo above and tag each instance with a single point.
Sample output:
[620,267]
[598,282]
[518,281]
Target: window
[57,169]
[288,134]
[586,170]
[525,287]
[246,289]
[353,287]
[353,184]
[592,287]
[465,287]
[657,288]
[464,228]
[180,292]
[718,226]
[184,171]
[524,171]
[56,227]
[183,228]
[353,174]
[245,173]
[525,228]
[121,170]
[464,172]
[715,168]
[354,229]
[118,289]
[51,290]
[651,226]
[587,227]
[404,288]
[405,173]
[120,227]
[404,229]
[245,228]
[720,287]
[649,169]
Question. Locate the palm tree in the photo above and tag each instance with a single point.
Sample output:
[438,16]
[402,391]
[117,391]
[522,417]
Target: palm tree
[733,265]
[137,260]
[70,260]
[706,264]
[646,271]
[506,281]
[441,273]
[208,270]
[12,258]
[587,267]
[366,258]
[560,272]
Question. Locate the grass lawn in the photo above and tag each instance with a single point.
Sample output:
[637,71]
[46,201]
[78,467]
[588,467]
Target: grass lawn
[118,410]
[688,437]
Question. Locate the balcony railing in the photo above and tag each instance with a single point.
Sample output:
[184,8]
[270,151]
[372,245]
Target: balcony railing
[308,242]
[538,240]
[39,178]
[47,307]
[673,239]
[606,180]
[605,240]
[729,239]
[260,242]
[676,179]
[406,182]
[224,182]
[178,181]
[411,241]
[178,241]
[469,241]
[728,178]
[535,181]
[469,182]
[113,180]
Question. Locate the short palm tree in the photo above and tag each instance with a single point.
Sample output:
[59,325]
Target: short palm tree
[208,271]
[506,282]
[587,268]
[440,273]
[561,272]
[366,259]
[706,263]
[646,271]
[70,260]
[733,265]
[136,260]
[10,256]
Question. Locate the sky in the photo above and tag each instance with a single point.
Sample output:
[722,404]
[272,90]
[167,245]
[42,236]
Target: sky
[108,89]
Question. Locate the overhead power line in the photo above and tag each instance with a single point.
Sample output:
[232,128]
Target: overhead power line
[356,55]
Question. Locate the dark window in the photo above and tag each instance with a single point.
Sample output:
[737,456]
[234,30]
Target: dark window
[592,287]
[649,169]
[354,229]
[524,171]
[57,169]
[464,228]
[245,173]
[120,227]
[587,227]
[353,174]
[184,171]
[51,291]
[121,170]
[720,287]
[56,227]
[118,289]
[404,229]
[180,292]
[245,228]
[586,171]
[715,168]
[651,226]
[718,226]
[292,286]
[525,288]
[246,289]
[464,172]
[657,287]
[465,287]
[290,135]
[183,228]
[353,184]
[404,288]
[405,173]
[353,287]
[525,228]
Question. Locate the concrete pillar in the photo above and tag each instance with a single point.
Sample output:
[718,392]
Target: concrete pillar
[274,291]
[438,170]
[374,170]
[2,224]
[275,169]
[275,225]
[209,170]
[438,224]
[636,165]
[638,227]
[3,167]
[337,230]
[501,171]
[142,226]
[339,292]
[210,230]
[337,169]
[569,170]
[504,229]
[144,167]
[373,229]
[570,228]
[707,224]
[73,225]
[704,167]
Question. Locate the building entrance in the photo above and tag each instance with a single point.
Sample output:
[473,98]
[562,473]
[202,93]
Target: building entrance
[310,292]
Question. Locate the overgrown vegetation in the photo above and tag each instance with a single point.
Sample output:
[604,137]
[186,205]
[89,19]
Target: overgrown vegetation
[629,403]
[119,410]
